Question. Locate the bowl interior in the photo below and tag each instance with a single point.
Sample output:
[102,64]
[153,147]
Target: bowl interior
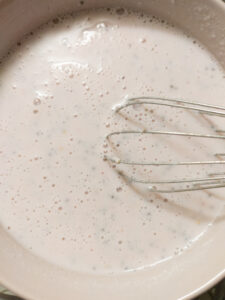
[34,278]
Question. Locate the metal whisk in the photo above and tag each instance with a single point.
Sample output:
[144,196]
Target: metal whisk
[210,181]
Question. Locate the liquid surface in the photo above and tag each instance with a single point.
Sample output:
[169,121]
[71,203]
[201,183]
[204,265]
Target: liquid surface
[59,197]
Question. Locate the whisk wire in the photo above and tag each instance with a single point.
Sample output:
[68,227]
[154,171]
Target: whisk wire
[176,103]
[212,181]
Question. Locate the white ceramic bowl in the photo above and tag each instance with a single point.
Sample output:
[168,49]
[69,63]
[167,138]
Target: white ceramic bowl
[191,273]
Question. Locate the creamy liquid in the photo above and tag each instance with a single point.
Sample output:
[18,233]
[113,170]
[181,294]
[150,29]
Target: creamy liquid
[59,198]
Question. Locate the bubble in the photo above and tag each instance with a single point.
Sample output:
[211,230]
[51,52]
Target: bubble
[37,101]
[120,11]
[142,40]
[56,20]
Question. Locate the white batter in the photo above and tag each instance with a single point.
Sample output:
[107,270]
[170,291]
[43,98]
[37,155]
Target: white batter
[59,198]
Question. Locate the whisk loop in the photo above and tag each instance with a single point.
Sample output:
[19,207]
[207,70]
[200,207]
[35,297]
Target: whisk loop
[195,106]
[211,181]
